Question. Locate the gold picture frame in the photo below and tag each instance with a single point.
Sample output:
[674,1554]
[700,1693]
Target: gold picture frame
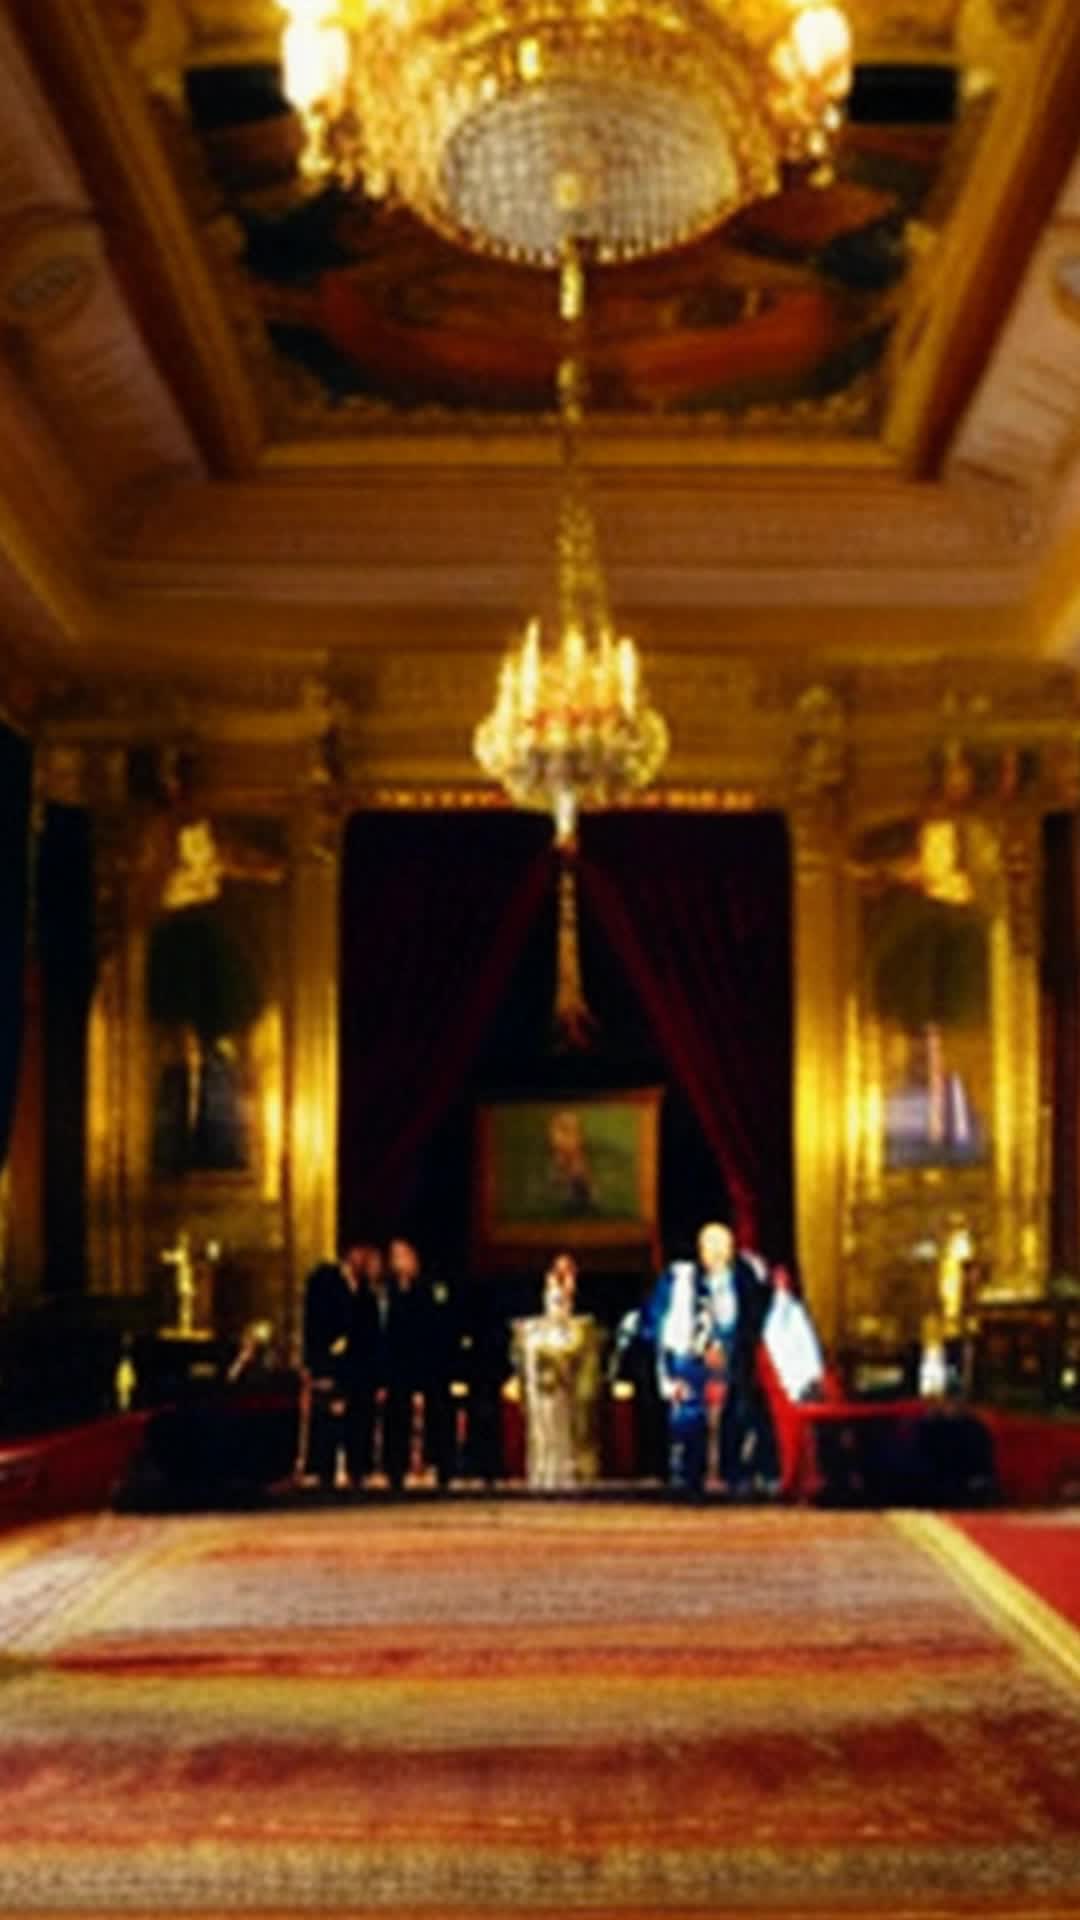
[574,1171]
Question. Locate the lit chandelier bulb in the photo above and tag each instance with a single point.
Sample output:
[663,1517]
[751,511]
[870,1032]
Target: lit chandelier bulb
[822,38]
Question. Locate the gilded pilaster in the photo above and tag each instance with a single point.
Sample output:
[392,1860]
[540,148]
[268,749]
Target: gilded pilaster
[1021,1173]
[117,1073]
[822,946]
[313,993]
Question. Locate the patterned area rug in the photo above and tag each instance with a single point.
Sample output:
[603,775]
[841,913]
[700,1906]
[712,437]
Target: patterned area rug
[477,1709]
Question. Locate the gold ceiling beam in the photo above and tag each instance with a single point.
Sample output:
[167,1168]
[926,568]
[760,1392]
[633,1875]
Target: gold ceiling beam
[968,280]
[165,273]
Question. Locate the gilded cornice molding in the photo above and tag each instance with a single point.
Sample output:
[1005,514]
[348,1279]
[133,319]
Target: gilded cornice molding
[1006,765]
[308,692]
[837,429]
[412,537]
[987,696]
[853,743]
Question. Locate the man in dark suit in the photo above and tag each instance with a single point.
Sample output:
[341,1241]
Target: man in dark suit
[360,1369]
[405,1357]
[443,1344]
[327,1305]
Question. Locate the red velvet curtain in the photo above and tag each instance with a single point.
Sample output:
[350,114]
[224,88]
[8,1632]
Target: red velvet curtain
[698,909]
[436,910]
[1061,1032]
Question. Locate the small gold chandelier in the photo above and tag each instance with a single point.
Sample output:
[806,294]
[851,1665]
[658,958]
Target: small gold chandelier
[632,125]
[571,727]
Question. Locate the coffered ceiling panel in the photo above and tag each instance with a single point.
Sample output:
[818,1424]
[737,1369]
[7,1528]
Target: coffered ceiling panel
[778,325]
[228,390]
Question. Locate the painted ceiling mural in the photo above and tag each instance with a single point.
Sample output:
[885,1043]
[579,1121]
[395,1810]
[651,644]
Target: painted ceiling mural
[791,303]
[779,321]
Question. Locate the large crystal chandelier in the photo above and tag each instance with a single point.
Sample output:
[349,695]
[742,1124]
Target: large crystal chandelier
[632,125]
[571,726]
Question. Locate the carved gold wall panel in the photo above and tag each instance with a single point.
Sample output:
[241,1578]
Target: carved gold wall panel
[948,1128]
[848,757]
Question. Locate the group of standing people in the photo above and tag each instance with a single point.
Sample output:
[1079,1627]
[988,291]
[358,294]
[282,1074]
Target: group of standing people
[378,1361]
[698,1342]
[381,1353]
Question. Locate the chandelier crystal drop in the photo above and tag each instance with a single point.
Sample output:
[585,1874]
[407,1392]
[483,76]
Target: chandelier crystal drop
[572,727]
[631,125]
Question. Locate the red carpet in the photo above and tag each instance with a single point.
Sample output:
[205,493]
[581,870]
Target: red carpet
[73,1471]
[1037,1455]
[478,1709]
[1040,1549]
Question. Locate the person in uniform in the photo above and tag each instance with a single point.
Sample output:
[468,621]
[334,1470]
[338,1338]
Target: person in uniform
[708,1316]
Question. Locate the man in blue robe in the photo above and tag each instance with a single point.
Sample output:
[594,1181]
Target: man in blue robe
[706,1318]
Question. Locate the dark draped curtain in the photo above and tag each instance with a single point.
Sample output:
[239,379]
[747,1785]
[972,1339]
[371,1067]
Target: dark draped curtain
[436,909]
[65,931]
[519,1058]
[698,910]
[15,769]
[1061,1032]
[448,960]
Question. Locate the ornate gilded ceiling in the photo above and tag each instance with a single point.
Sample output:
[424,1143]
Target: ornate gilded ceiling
[778,325]
[242,419]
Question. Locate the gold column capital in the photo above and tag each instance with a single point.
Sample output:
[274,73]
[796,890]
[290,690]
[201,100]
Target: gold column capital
[61,774]
[820,768]
[1020,859]
[317,813]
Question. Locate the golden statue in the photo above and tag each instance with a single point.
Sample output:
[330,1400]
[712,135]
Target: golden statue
[557,1354]
[180,1257]
[954,1264]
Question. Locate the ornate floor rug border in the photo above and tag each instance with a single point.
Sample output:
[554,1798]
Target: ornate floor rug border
[1005,1599]
[976,1909]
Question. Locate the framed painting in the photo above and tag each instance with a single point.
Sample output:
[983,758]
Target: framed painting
[214,1002]
[926,941]
[578,1171]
